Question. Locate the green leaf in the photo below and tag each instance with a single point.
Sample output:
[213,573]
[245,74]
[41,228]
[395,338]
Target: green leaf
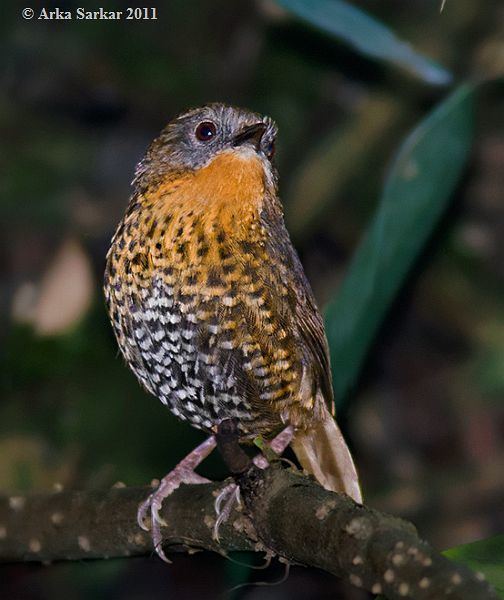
[367,35]
[416,193]
[485,556]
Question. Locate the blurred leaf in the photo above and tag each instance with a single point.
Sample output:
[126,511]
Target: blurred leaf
[339,156]
[367,35]
[484,556]
[65,294]
[415,195]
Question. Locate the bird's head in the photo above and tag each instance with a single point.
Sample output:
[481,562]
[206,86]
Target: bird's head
[194,139]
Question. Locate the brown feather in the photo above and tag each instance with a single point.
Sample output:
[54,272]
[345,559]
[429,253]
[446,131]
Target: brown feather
[323,453]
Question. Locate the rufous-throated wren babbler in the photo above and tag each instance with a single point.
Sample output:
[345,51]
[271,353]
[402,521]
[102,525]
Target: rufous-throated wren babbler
[209,302]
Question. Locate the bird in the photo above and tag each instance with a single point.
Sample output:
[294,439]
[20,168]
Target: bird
[210,305]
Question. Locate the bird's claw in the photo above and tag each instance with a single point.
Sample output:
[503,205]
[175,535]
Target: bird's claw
[143,509]
[154,503]
[230,496]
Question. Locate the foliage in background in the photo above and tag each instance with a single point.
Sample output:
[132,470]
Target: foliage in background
[85,99]
[367,35]
[418,188]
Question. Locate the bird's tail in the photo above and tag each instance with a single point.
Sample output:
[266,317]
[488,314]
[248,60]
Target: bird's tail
[322,452]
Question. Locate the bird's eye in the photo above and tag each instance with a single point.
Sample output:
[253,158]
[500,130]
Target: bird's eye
[205,131]
[269,149]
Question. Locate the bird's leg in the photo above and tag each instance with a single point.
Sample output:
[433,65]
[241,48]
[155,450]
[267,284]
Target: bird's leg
[230,494]
[278,445]
[182,473]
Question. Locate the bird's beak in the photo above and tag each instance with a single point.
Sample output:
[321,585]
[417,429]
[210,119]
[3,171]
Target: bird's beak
[252,134]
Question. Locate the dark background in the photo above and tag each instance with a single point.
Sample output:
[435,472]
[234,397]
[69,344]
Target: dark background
[80,101]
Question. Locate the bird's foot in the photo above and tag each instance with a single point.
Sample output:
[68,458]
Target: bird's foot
[182,473]
[228,497]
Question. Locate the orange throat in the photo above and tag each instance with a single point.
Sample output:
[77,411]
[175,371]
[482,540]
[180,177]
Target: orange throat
[197,219]
[229,191]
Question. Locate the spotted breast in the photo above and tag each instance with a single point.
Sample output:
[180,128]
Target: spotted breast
[202,293]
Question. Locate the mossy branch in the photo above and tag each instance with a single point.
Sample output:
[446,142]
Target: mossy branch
[284,512]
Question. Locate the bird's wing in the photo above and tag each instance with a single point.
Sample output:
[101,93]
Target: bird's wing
[320,447]
[305,316]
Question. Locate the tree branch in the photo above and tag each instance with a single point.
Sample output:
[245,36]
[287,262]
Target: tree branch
[286,513]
